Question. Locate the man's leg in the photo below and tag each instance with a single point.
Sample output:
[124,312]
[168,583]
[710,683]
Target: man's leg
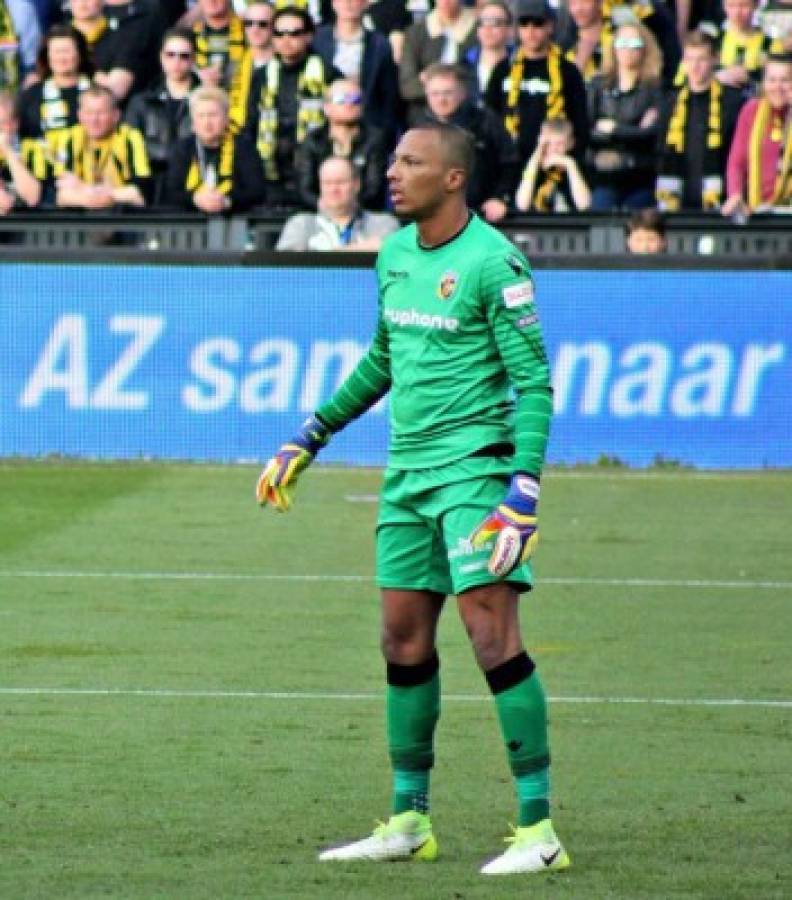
[490,614]
[409,626]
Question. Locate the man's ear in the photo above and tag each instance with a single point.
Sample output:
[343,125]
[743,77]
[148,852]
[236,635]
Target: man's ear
[455,180]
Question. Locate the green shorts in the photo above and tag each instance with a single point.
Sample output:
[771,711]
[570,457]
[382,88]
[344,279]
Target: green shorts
[425,519]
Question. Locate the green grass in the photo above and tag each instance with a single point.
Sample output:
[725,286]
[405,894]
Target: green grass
[216,794]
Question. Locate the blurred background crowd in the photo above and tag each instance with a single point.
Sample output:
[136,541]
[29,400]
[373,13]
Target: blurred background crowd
[219,106]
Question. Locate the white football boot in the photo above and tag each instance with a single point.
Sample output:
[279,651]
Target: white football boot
[405,836]
[534,848]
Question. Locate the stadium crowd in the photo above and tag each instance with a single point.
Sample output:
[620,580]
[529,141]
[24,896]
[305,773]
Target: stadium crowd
[220,106]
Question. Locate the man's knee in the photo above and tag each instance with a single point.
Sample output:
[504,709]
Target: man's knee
[490,618]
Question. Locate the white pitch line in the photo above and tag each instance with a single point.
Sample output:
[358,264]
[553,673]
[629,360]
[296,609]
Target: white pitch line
[324,695]
[264,576]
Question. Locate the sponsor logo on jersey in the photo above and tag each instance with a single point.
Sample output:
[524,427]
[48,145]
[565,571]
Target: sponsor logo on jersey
[396,273]
[527,321]
[448,282]
[424,320]
[518,294]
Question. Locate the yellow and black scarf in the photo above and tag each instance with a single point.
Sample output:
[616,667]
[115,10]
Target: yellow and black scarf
[94,33]
[594,62]
[762,129]
[33,157]
[546,189]
[223,178]
[670,186]
[54,112]
[555,97]
[744,50]
[9,50]
[311,87]
[239,91]
[227,45]
[116,160]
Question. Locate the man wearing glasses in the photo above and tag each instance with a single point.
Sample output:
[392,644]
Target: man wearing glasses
[286,101]
[258,20]
[494,42]
[537,83]
[365,55]
[219,42]
[346,135]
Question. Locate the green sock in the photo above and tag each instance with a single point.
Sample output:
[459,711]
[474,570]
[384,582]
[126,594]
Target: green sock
[413,708]
[522,713]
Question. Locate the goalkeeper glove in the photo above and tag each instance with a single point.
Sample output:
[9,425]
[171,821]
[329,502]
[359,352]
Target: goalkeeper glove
[277,479]
[513,526]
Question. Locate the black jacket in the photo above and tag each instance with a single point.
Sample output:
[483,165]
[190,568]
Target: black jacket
[369,154]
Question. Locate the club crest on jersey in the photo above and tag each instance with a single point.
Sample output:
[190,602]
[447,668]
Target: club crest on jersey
[448,282]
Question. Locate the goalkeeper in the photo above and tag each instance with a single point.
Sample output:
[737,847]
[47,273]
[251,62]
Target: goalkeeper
[459,348]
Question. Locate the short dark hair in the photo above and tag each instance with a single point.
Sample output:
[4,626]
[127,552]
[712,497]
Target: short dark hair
[457,143]
[700,38]
[298,12]
[184,34]
[647,219]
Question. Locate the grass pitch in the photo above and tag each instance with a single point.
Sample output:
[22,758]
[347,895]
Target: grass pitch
[191,693]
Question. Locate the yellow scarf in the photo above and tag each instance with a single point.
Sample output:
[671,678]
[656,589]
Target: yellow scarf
[782,190]
[744,50]
[675,139]
[310,115]
[555,98]
[594,62]
[224,176]
[239,90]
[9,49]
[547,188]
[228,44]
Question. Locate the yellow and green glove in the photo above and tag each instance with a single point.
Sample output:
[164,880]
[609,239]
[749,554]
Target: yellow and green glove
[276,482]
[512,525]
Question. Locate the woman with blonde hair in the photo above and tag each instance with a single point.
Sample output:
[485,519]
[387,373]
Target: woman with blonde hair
[624,108]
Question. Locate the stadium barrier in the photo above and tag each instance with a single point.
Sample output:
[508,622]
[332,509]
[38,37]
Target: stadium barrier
[221,362]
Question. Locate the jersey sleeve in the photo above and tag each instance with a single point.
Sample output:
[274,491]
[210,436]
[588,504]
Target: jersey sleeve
[366,385]
[507,292]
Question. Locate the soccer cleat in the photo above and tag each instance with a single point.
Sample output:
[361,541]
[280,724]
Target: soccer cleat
[405,836]
[534,848]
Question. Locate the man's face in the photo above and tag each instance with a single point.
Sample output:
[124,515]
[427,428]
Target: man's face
[337,188]
[493,29]
[417,175]
[8,120]
[98,116]
[777,84]
[177,58]
[62,56]
[349,10]
[558,143]
[739,13]
[215,9]
[258,25]
[534,34]
[699,65]
[291,38]
[444,96]
[85,10]
[209,121]
[645,241]
[585,12]
[448,9]
[344,104]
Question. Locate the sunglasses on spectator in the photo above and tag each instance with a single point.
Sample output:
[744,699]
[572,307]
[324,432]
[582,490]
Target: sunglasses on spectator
[178,54]
[257,23]
[289,32]
[493,22]
[535,21]
[349,99]
[625,43]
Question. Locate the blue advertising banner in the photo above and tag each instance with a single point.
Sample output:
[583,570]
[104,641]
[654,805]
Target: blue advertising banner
[212,363]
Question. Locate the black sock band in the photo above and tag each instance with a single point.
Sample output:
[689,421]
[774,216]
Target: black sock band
[510,673]
[410,676]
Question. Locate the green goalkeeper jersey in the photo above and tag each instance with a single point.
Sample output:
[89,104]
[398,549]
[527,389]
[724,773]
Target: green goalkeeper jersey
[459,346]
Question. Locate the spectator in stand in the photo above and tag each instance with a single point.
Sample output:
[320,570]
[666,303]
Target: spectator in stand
[20,36]
[100,163]
[23,167]
[695,132]
[444,35]
[776,22]
[219,42]
[365,55]
[390,18]
[587,29]
[258,18]
[759,169]
[286,102]
[49,106]
[114,53]
[538,84]
[552,181]
[646,233]
[624,112]
[347,135]
[497,167]
[162,113]
[339,223]
[494,43]
[214,171]
[743,48]
[141,23]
